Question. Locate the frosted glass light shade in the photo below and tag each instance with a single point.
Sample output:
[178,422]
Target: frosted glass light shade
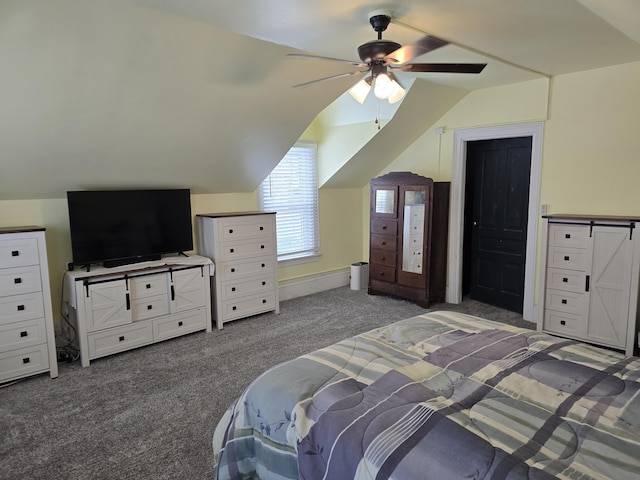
[360,90]
[397,94]
[383,86]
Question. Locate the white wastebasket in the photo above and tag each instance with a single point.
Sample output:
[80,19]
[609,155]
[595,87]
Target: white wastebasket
[359,275]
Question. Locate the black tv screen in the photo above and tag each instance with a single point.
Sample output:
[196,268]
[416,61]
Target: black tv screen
[116,227]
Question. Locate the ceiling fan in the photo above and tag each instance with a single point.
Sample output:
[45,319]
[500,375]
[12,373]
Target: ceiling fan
[381,57]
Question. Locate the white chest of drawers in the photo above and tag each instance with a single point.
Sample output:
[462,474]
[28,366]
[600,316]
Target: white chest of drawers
[27,339]
[243,249]
[592,278]
[119,309]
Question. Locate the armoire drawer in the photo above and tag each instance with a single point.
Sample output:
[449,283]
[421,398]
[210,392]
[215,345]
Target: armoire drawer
[22,362]
[384,226]
[384,242]
[18,252]
[119,339]
[569,236]
[566,280]
[382,273]
[19,280]
[565,301]
[563,323]
[383,257]
[243,307]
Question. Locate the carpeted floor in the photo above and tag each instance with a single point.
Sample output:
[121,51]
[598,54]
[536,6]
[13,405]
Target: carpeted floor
[150,413]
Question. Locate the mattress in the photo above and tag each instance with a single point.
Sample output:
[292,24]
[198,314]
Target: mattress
[438,396]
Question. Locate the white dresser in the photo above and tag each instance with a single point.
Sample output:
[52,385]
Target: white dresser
[592,276]
[243,247]
[117,309]
[27,338]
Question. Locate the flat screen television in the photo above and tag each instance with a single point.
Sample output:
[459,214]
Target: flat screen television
[117,227]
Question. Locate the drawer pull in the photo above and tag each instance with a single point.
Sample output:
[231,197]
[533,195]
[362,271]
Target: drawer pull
[262,247]
[233,289]
[121,339]
[562,322]
[564,301]
[233,308]
[149,307]
[565,279]
[586,283]
[261,228]
[148,285]
[26,360]
[179,324]
[233,270]
[566,258]
[20,308]
[15,253]
[23,334]
[384,227]
[383,243]
[17,280]
[382,274]
[231,230]
[231,250]
[264,301]
[264,283]
[567,235]
[263,265]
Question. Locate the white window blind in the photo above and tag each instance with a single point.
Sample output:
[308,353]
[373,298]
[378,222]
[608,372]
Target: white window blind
[291,190]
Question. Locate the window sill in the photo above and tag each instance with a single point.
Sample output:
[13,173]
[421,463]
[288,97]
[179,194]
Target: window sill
[291,261]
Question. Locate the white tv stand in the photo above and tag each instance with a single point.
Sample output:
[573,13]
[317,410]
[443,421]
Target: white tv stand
[117,309]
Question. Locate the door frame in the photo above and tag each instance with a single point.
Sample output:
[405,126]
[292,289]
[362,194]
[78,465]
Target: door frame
[456,218]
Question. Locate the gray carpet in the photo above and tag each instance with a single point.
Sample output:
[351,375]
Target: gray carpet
[150,413]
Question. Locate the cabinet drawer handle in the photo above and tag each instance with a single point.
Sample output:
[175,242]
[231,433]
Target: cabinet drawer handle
[262,247]
[382,274]
[23,334]
[562,322]
[15,253]
[264,301]
[149,307]
[26,360]
[261,228]
[263,265]
[179,324]
[148,285]
[383,243]
[233,308]
[231,250]
[564,301]
[121,339]
[565,279]
[567,235]
[231,230]
[384,227]
[20,308]
[566,258]
[264,283]
[233,270]
[17,280]
[233,289]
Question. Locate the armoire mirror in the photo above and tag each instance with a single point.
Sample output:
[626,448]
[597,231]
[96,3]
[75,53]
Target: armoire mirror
[413,231]
[385,201]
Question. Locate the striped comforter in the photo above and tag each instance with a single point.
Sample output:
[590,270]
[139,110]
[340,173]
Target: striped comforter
[439,396]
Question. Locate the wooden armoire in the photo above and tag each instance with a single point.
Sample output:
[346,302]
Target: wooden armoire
[408,237]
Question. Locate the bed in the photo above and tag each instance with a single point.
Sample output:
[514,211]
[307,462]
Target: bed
[439,396]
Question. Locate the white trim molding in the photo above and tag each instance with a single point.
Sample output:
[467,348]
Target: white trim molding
[456,219]
[300,287]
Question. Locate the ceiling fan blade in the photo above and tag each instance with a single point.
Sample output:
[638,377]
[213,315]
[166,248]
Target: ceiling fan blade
[306,84]
[330,59]
[415,49]
[442,67]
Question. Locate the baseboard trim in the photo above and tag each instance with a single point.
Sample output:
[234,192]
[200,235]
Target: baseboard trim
[300,287]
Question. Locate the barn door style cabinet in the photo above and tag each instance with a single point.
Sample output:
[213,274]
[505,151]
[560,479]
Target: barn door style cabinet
[591,282]
[408,237]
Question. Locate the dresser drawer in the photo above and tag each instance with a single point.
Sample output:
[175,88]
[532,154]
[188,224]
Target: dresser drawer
[21,307]
[382,273]
[259,226]
[119,339]
[245,268]
[566,280]
[564,323]
[149,307]
[251,286]
[247,306]
[567,302]
[384,226]
[22,362]
[18,252]
[568,258]
[251,248]
[383,257]
[149,285]
[177,325]
[18,280]
[568,236]
[22,334]
[383,242]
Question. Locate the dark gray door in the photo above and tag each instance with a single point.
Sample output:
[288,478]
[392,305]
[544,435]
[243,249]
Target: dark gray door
[496,215]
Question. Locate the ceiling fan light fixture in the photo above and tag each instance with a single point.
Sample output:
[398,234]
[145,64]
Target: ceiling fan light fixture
[360,90]
[397,94]
[383,86]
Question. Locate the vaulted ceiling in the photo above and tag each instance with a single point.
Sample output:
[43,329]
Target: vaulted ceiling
[197,93]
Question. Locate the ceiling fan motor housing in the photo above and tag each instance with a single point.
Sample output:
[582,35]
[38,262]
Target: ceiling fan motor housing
[376,50]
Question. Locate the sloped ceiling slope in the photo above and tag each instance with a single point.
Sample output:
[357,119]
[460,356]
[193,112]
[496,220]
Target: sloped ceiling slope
[109,94]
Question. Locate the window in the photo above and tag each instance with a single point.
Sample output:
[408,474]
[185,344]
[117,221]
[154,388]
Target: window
[291,190]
